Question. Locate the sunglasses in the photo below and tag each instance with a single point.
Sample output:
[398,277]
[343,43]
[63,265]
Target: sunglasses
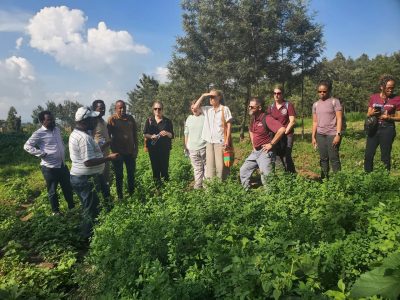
[253,107]
[277,93]
[157,108]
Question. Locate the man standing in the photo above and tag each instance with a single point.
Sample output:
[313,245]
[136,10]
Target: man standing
[46,143]
[87,164]
[124,141]
[263,156]
[102,138]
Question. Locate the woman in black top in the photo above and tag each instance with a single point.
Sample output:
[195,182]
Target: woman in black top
[158,132]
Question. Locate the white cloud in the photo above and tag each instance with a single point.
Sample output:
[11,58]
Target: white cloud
[161,74]
[19,87]
[60,32]
[18,43]
[13,21]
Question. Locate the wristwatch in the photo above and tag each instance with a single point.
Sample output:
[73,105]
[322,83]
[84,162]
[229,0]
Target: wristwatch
[339,134]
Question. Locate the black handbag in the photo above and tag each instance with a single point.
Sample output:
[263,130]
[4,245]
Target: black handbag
[371,125]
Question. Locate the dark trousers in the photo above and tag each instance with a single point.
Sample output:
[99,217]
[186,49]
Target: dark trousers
[383,137]
[130,164]
[328,153]
[103,186]
[54,176]
[85,187]
[286,158]
[159,158]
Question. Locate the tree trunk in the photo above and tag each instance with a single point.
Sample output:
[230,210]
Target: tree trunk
[245,103]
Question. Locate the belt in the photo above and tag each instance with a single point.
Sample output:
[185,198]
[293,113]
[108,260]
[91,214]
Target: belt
[258,148]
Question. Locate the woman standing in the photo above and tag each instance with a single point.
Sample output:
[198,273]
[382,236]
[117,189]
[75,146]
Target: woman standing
[327,128]
[386,107]
[217,120]
[196,145]
[283,111]
[158,131]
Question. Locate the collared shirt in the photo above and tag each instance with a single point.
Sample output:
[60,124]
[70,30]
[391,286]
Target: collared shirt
[193,129]
[282,113]
[213,129]
[123,131]
[48,145]
[100,135]
[82,147]
[152,127]
[262,135]
[390,105]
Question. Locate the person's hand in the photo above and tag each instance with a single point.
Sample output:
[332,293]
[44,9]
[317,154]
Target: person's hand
[206,95]
[163,133]
[314,142]
[384,117]
[336,140]
[267,147]
[154,137]
[113,156]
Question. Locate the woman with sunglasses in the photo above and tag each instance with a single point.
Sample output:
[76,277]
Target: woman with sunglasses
[327,128]
[217,121]
[283,111]
[158,131]
[386,107]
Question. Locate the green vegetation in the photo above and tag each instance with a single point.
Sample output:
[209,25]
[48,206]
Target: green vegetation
[296,238]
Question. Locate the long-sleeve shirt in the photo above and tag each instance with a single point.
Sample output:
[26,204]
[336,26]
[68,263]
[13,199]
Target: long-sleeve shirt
[123,132]
[48,145]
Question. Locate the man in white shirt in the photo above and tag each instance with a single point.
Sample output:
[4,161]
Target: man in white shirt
[87,164]
[46,143]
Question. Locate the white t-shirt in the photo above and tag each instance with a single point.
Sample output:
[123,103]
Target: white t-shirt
[193,130]
[82,147]
[213,129]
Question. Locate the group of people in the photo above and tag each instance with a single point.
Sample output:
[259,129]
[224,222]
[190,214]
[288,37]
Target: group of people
[94,143]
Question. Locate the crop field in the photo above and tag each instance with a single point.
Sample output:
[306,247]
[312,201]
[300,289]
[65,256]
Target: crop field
[297,238]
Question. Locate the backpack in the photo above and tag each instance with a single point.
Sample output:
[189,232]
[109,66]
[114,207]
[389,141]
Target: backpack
[344,122]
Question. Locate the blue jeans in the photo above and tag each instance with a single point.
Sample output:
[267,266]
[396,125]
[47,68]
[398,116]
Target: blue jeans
[85,187]
[53,177]
[257,159]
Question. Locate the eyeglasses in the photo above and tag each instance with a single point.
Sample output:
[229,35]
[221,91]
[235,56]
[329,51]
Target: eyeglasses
[322,92]
[278,93]
[253,107]
[157,108]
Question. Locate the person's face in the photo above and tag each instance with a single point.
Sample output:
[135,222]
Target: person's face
[157,110]
[120,108]
[195,111]
[389,88]
[49,122]
[323,92]
[278,95]
[101,108]
[214,98]
[253,107]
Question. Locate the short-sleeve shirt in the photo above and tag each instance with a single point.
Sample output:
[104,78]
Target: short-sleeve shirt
[193,130]
[391,105]
[123,131]
[261,136]
[152,127]
[326,115]
[283,113]
[82,147]
[213,129]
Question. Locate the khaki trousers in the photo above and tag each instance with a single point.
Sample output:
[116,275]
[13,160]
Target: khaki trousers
[215,162]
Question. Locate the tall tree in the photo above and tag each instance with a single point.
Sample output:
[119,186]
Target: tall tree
[12,119]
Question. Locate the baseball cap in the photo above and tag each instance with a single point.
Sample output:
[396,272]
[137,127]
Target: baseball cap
[85,112]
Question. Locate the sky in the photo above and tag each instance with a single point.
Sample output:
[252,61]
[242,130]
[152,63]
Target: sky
[84,50]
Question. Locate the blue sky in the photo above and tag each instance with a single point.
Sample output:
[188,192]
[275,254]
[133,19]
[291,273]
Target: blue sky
[83,50]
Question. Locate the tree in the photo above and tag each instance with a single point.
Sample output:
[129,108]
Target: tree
[12,120]
[142,97]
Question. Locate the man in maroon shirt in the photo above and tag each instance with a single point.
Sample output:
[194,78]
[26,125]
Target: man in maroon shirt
[262,126]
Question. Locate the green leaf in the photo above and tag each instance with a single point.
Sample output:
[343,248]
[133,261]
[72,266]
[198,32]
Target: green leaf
[376,282]
[392,261]
[341,285]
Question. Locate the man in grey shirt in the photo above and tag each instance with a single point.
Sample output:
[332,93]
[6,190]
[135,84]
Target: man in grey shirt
[46,143]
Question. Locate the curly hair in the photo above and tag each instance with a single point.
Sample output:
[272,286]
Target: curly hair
[384,79]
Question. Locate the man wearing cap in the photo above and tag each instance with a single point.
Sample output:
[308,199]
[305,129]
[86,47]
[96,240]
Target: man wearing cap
[46,143]
[123,131]
[262,126]
[87,164]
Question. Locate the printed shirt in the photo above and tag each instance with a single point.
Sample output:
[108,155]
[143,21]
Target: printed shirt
[391,105]
[213,129]
[82,147]
[282,114]
[152,127]
[193,130]
[123,131]
[260,135]
[326,115]
[48,145]
[100,134]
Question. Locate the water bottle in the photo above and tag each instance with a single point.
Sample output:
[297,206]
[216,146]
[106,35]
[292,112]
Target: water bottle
[154,141]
